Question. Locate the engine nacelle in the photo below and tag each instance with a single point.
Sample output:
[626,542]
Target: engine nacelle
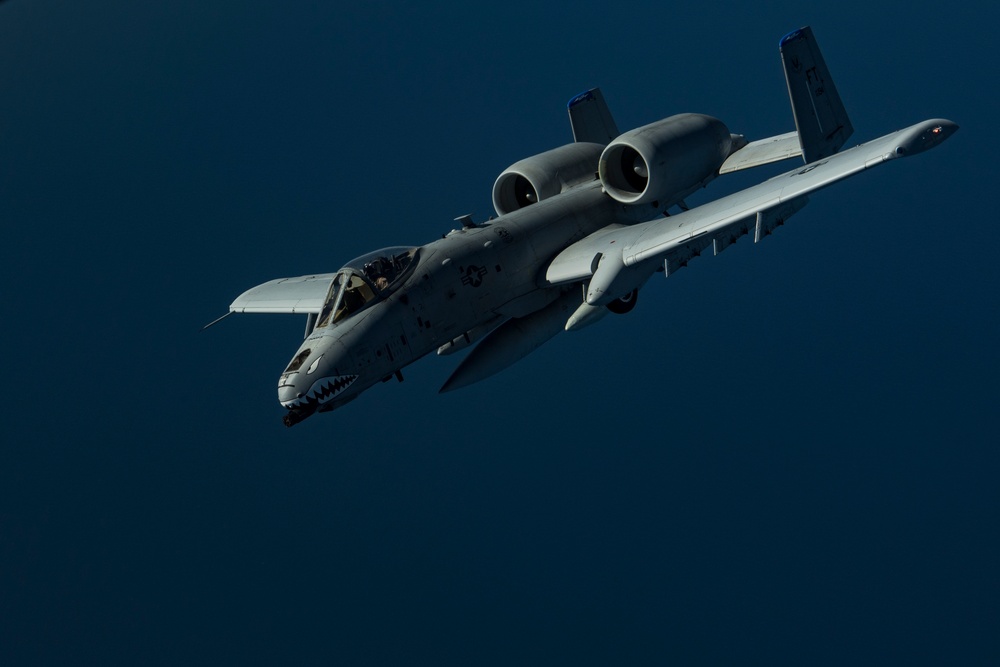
[665,161]
[544,175]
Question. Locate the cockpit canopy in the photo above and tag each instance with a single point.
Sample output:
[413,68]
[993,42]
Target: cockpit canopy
[364,281]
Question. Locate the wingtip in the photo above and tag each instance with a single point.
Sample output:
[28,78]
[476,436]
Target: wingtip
[924,136]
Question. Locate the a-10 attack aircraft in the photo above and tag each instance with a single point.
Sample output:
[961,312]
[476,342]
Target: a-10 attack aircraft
[580,229]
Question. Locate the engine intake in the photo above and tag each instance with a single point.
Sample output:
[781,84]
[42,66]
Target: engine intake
[665,161]
[539,177]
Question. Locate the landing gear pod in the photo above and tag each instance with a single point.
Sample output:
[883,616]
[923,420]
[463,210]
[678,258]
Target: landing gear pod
[624,304]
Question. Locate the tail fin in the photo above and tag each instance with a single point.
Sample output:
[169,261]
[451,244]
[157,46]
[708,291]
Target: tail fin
[820,116]
[591,119]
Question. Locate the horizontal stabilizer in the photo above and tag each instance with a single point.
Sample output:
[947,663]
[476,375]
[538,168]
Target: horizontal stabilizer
[763,151]
[820,116]
[591,119]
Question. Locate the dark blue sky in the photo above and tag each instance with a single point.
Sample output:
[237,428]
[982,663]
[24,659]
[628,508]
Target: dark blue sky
[784,455]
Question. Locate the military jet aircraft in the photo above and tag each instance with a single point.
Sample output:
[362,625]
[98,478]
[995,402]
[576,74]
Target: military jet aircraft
[579,230]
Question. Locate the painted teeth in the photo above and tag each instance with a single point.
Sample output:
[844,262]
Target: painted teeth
[323,390]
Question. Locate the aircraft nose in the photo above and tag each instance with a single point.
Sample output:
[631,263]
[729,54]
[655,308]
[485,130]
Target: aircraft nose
[288,390]
[314,379]
[294,381]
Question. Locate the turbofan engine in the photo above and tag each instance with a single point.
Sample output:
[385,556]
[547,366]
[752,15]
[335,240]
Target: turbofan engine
[663,162]
[544,175]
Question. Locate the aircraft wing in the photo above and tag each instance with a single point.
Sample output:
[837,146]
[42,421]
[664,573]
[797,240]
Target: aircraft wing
[304,294]
[617,260]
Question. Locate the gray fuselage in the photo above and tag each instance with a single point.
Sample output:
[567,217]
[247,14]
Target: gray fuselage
[469,279]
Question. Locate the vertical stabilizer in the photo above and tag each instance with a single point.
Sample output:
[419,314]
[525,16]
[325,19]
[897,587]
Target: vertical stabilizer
[591,119]
[820,116]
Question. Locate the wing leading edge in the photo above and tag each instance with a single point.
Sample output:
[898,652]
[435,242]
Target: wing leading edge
[617,260]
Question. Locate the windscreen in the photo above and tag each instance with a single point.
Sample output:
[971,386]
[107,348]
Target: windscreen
[364,281]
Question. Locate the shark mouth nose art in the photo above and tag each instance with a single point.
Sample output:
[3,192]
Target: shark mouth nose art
[323,390]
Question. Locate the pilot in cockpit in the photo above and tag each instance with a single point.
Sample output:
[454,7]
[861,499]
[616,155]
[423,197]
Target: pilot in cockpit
[380,271]
[363,282]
